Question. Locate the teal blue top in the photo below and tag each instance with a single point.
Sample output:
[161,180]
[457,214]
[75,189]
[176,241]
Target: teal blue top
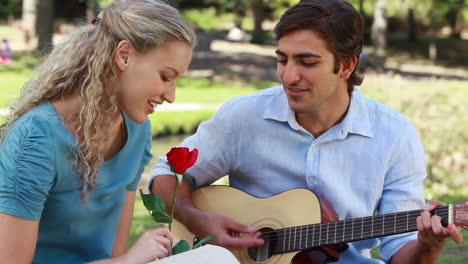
[37,182]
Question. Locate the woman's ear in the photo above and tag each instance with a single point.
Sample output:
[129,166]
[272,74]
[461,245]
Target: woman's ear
[123,52]
[348,65]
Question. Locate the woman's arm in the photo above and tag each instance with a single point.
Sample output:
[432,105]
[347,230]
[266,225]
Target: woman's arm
[18,238]
[125,224]
[152,245]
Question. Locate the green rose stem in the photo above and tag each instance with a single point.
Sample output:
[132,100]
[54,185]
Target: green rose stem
[176,185]
[173,203]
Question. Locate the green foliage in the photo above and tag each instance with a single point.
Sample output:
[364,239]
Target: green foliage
[156,208]
[181,122]
[180,247]
[438,110]
[203,241]
[10,8]
[207,19]
[450,51]
[14,76]
[100,3]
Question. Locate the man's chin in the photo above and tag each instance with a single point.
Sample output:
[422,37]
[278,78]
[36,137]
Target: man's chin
[302,109]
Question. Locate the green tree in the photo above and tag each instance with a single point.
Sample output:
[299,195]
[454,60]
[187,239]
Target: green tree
[454,15]
[10,8]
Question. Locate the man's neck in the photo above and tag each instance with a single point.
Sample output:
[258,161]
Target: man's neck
[319,121]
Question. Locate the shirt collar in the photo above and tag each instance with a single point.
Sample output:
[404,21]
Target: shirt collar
[277,108]
[356,120]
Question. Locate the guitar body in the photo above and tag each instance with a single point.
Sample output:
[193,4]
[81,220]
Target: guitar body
[298,228]
[292,208]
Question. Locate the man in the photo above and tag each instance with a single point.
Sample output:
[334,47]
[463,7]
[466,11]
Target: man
[316,131]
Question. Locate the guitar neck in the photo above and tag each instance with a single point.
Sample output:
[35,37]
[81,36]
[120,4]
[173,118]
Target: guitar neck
[343,231]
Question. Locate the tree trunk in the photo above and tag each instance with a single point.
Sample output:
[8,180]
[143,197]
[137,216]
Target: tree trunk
[28,24]
[411,25]
[44,25]
[259,16]
[452,17]
[361,7]
[379,32]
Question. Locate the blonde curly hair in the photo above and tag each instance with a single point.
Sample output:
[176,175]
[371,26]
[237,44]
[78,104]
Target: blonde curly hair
[83,63]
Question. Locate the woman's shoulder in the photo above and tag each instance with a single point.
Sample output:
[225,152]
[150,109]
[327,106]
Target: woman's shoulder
[35,122]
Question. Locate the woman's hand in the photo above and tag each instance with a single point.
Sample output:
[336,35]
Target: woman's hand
[151,245]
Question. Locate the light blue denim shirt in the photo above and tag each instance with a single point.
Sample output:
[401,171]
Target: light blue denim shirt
[372,161]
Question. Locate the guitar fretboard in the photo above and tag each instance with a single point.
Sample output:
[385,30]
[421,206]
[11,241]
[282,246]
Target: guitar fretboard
[343,231]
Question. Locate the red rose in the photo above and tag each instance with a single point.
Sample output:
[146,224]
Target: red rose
[181,159]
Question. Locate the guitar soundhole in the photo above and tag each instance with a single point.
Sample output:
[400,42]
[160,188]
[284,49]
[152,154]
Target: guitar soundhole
[264,252]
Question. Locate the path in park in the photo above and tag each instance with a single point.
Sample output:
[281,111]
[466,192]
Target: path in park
[166,107]
[220,60]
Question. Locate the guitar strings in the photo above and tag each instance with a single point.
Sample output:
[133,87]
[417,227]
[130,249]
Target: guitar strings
[306,243]
[275,233]
[341,222]
[322,235]
[298,238]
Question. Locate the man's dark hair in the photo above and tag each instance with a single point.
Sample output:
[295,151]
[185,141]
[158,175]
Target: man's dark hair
[336,21]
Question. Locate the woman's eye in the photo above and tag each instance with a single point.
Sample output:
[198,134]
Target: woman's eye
[164,78]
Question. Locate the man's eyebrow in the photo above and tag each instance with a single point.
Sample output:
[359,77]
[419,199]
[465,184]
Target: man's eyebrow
[279,52]
[299,55]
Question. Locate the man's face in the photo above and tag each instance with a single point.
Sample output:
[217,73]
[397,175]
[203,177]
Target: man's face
[305,67]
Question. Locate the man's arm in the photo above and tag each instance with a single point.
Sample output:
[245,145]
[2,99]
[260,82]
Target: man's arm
[431,238]
[201,223]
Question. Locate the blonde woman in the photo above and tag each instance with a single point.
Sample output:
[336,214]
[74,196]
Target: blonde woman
[75,144]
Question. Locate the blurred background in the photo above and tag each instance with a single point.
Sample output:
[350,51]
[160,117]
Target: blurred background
[415,60]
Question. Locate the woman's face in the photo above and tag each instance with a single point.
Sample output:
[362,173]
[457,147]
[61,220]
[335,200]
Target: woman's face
[147,80]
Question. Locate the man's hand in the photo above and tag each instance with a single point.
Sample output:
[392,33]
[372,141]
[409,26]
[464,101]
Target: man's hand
[432,234]
[229,233]
[431,238]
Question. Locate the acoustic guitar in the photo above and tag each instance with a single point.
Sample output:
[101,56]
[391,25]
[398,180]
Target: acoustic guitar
[295,227]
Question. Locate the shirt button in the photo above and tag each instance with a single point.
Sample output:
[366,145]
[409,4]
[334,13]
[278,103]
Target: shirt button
[312,179]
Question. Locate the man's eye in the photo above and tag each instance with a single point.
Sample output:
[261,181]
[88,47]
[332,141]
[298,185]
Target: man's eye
[308,64]
[282,61]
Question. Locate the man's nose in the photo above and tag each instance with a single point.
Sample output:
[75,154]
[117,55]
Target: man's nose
[290,74]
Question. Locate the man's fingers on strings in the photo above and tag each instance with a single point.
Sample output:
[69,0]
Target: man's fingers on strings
[455,233]
[240,228]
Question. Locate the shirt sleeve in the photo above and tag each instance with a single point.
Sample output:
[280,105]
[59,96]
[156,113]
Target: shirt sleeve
[212,139]
[27,168]
[144,160]
[403,189]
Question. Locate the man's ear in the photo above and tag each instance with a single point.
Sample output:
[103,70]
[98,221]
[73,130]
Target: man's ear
[123,52]
[347,66]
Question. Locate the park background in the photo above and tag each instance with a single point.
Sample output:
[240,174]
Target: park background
[415,60]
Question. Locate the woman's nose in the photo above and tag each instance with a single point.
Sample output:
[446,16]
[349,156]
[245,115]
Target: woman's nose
[169,94]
